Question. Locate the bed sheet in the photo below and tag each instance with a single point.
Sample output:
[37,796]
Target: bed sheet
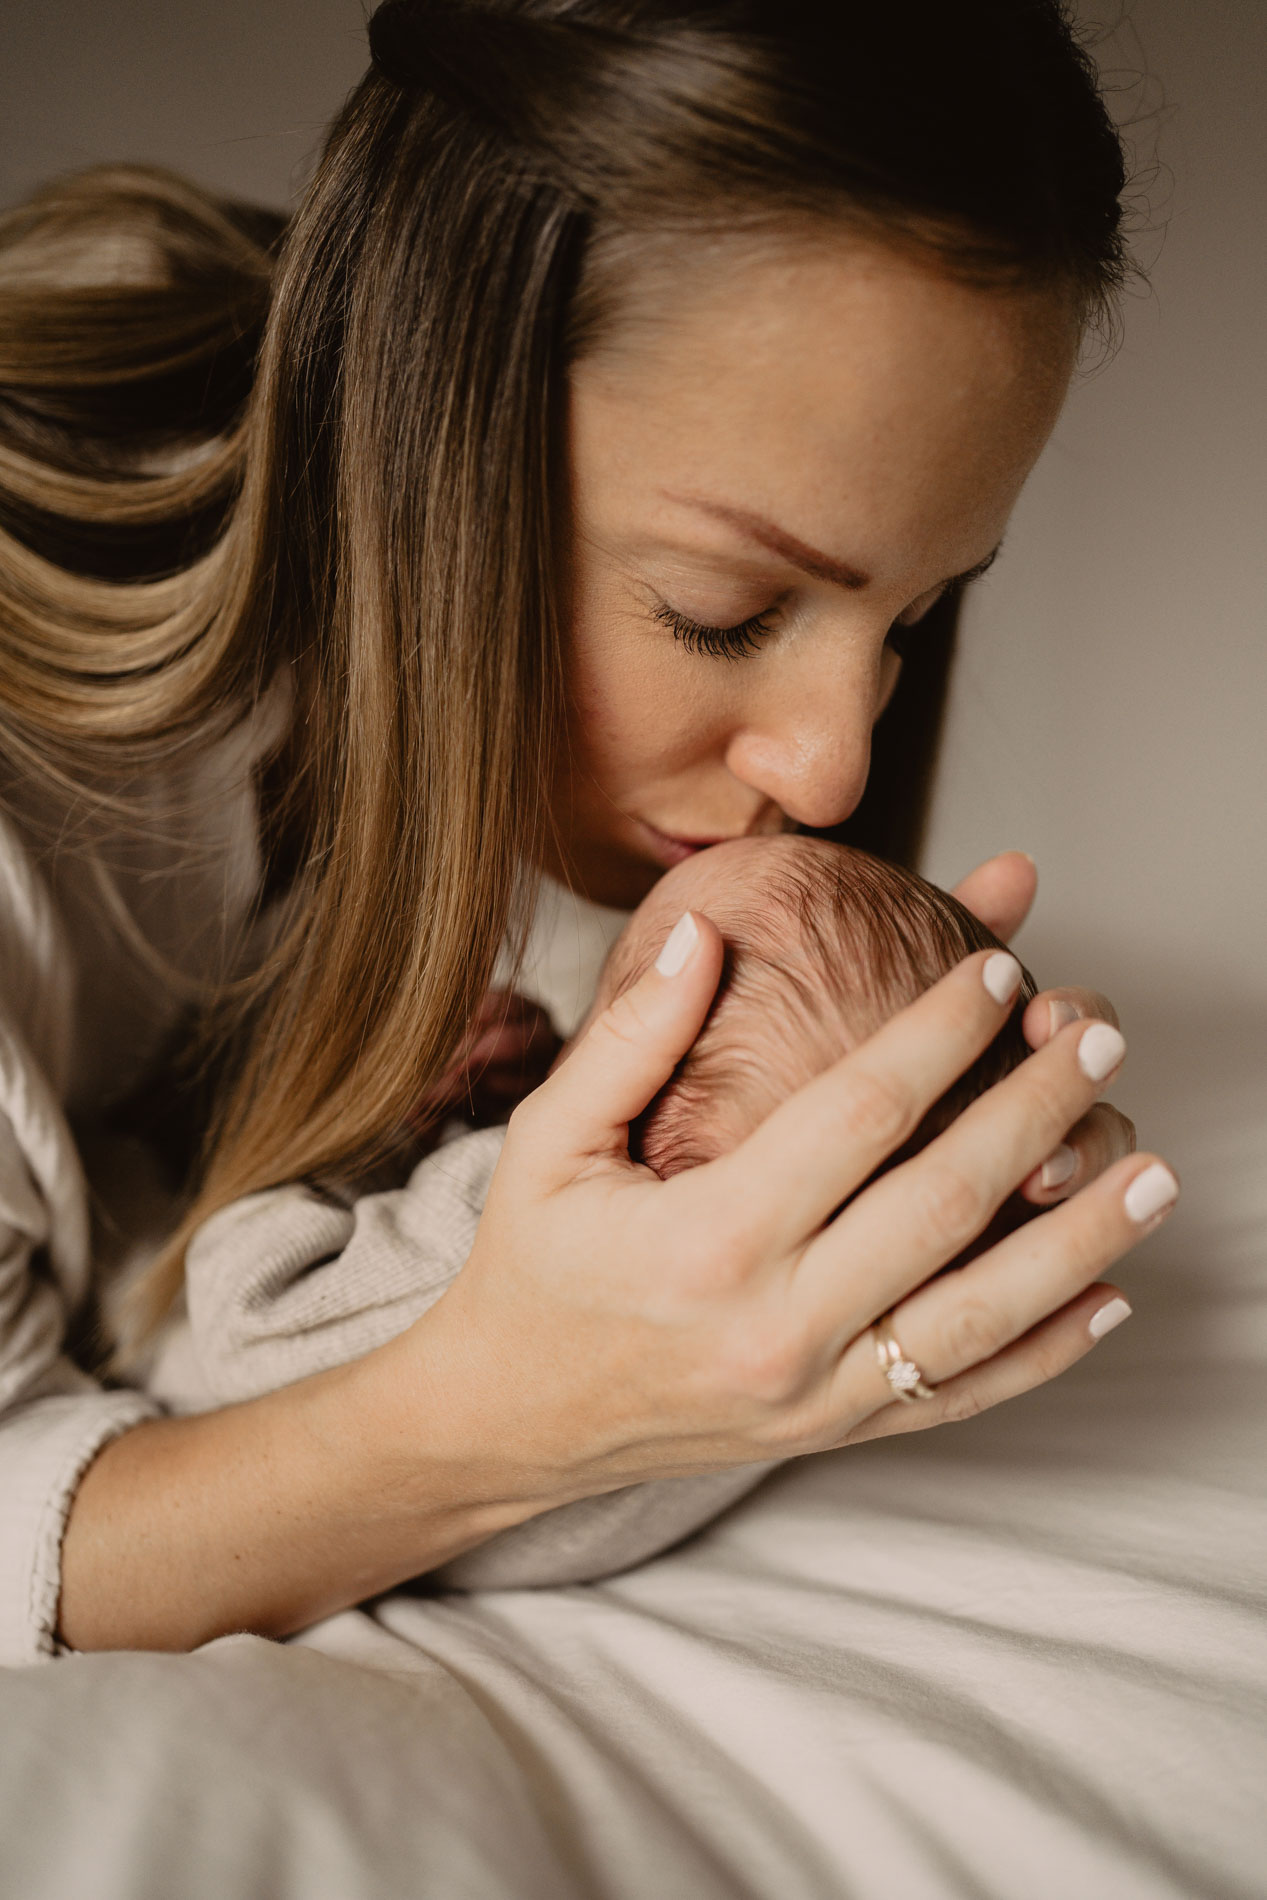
[1024,1655]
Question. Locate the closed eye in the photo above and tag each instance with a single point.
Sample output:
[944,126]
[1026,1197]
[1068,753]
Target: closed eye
[721,643]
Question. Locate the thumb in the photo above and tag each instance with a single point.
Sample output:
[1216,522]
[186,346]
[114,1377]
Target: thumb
[585,1106]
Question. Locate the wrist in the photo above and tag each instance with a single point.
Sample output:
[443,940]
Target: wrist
[417,1433]
[271,1514]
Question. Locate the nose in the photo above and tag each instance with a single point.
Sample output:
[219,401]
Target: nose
[806,743]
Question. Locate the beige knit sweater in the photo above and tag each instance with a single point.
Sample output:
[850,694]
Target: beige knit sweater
[281,1284]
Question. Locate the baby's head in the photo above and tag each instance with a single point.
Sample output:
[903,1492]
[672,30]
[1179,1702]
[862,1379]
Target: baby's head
[823,944]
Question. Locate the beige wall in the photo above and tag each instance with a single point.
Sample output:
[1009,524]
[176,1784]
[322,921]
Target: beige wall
[1110,702]
[233,92]
[1109,705]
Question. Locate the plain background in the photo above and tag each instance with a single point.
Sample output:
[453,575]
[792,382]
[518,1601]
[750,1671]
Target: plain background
[1109,700]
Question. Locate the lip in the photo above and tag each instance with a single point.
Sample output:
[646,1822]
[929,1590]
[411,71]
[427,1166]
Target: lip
[668,850]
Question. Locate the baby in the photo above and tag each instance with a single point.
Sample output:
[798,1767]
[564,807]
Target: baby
[823,944]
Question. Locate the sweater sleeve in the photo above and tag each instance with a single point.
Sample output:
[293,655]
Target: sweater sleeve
[298,1279]
[53,1418]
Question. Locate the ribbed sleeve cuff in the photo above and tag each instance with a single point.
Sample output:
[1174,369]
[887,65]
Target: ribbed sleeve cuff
[45,1448]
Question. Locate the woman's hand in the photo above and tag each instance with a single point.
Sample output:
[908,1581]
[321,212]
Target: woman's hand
[613,1328]
[1001,893]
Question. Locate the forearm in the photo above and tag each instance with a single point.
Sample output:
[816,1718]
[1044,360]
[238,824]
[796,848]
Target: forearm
[267,1516]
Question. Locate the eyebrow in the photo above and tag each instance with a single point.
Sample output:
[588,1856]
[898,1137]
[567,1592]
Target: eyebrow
[799,553]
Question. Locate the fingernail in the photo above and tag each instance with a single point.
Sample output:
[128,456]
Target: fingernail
[1150,1192]
[1059,1167]
[678,945]
[1001,975]
[1059,1015]
[1110,1315]
[1100,1050]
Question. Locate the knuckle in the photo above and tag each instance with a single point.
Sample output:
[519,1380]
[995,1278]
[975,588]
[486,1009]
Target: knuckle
[952,1206]
[1057,1093]
[965,1399]
[877,1110]
[973,1333]
[765,1365]
[714,1263]
[624,1021]
[1047,1360]
[1090,1244]
[792,1431]
[961,1009]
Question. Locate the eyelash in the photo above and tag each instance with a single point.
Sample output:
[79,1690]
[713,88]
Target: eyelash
[719,643]
[733,643]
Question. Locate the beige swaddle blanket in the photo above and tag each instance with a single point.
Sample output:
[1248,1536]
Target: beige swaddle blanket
[299,1279]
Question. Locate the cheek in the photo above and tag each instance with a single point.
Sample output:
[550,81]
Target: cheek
[639,708]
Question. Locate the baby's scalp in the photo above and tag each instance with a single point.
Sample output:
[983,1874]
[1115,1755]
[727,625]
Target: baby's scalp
[823,944]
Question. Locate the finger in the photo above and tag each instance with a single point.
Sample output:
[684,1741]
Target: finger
[822,1143]
[1052,1010]
[1103,1136]
[1039,1356]
[584,1107]
[1000,892]
[920,1215]
[958,1321]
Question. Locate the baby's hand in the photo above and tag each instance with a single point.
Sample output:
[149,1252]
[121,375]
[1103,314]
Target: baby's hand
[509,1048]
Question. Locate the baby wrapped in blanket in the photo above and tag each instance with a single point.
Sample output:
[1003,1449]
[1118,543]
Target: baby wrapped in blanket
[823,945]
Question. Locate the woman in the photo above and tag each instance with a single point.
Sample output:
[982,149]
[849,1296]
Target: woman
[631,384]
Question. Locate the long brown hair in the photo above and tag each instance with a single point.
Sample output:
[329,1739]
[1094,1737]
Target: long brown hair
[233,455]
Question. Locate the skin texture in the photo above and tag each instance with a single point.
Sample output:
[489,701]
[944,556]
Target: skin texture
[887,417]
[873,409]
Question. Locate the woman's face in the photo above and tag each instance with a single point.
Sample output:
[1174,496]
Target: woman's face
[801,447]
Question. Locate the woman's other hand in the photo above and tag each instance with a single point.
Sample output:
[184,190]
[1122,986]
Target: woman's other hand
[614,1328]
[1001,893]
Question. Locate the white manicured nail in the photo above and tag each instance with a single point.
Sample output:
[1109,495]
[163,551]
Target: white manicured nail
[1001,975]
[1101,1049]
[678,945]
[1150,1192]
[1110,1315]
[1059,1167]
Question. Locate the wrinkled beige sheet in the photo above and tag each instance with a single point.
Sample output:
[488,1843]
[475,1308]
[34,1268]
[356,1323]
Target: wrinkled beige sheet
[1027,1656]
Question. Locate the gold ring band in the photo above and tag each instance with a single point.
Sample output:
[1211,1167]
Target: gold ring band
[906,1381]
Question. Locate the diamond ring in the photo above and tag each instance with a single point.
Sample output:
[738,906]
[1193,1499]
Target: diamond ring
[906,1381]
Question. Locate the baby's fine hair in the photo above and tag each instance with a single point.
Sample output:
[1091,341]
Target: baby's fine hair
[821,948]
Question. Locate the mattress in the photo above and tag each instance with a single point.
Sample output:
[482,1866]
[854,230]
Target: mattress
[1023,1655]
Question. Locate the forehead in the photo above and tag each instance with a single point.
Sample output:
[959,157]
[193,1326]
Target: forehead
[826,378]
